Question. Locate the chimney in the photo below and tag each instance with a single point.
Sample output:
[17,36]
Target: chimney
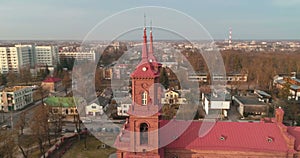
[279,113]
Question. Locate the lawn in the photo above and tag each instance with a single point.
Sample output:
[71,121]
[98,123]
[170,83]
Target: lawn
[93,149]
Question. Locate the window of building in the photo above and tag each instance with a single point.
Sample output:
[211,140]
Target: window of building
[144,134]
[144,98]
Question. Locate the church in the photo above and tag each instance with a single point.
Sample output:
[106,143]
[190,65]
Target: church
[141,136]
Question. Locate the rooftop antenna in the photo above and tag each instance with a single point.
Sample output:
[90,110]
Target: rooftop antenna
[230,36]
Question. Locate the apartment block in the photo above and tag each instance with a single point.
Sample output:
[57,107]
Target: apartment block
[15,98]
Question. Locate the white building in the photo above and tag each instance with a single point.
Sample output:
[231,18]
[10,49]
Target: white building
[15,58]
[294,84]
[217,102]
[123,109]
[173,97]
[94,110]
[15,98]
[124,104]
[78,55]
[46,55]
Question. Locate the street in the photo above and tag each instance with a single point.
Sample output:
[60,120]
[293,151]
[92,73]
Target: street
[11,118]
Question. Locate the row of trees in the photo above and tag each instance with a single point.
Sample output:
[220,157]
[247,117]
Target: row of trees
[23,77]
[42,122]
[261,67]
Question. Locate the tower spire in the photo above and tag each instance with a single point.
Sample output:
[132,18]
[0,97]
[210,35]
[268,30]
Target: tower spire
[151,56]
[145,51]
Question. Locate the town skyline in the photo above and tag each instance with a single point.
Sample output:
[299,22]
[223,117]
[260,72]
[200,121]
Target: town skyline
[73,20]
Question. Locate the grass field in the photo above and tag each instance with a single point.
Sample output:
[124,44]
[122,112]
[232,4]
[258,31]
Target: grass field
[93,149]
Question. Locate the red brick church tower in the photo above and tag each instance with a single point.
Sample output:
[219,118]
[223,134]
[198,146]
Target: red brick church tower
[144,112]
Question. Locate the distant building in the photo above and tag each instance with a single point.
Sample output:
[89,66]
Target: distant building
[198,77]
[94,110]
[231,77]
[203,77]
[52,84]
[15,98]
[290,80]
[78,55]
[46,55]
[14,58]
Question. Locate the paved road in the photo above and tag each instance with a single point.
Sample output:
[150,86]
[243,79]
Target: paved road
[11,118]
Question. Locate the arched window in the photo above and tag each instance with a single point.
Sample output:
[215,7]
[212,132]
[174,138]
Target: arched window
[144,98]
[143,133]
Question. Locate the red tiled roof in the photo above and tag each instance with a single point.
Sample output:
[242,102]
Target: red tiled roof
[295,131]
[52,79]
[148,73]
[237,137]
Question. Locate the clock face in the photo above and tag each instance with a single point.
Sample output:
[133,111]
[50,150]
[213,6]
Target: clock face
[144,68]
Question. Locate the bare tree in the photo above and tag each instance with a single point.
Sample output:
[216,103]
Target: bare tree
[39,126]
[21,122]
[42,92]
[12,78]
[67,81]
[7,145]
[25,75]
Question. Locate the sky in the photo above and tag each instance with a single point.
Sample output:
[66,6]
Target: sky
[74,19]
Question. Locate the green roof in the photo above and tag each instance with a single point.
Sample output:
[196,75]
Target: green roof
[60,101]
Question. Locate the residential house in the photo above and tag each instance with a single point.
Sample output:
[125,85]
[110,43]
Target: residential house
[263,96]
[124,104]
[62,105]
[52,84]
[280,81]
[173,97]
[216,103]
[94,110]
